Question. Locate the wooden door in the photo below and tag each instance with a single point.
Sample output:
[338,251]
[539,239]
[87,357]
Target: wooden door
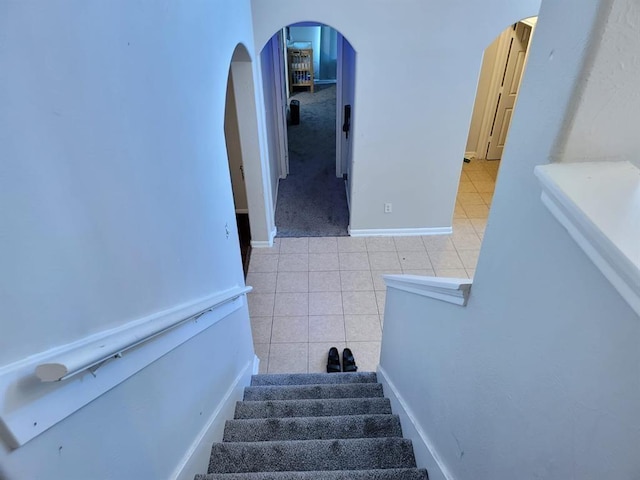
[508,91]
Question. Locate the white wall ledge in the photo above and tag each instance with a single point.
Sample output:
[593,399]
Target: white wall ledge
[599,205]
[451,290]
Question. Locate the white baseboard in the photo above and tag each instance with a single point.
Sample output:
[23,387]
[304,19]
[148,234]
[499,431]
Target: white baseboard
[470,155]
[399,232]
[260,244]
[242,210]
[423,448]
[265,243]
[196,459]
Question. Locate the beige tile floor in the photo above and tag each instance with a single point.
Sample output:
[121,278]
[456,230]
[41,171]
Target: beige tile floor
[310,294]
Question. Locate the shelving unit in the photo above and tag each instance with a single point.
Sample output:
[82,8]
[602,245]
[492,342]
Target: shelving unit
[300,61]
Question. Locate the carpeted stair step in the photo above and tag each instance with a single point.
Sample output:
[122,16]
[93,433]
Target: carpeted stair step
[295,392]
[313,428]
[312,378]
[387,474]
[306,455]
[312,408]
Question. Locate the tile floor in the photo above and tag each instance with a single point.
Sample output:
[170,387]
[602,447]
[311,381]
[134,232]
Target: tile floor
[310,294]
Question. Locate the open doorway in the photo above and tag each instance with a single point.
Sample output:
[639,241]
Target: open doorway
[236,169]
[501,73]
[498,85]
[240,130]
[306,89]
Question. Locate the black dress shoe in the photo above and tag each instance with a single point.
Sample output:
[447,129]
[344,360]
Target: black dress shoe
[333,361]
[348,362]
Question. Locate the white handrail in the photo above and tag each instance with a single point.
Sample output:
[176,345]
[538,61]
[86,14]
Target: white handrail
[92,356]
[451,290]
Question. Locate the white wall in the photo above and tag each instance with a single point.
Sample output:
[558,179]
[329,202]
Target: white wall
[603,125]
[328,54]
[414,95]
[115,192]
[539,376]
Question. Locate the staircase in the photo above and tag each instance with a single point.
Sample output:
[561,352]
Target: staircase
[313,426]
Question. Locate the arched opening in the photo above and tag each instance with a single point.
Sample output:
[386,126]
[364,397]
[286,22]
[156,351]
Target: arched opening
[308,72]
[243,152]
[499,81]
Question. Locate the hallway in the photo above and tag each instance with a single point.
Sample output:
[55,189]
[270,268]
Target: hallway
[312,201]
[314,293]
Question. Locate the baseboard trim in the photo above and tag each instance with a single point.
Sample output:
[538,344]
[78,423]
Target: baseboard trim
[265,243]
[242,210]
[196,458]
[399,232]
[470,155]
[423,448]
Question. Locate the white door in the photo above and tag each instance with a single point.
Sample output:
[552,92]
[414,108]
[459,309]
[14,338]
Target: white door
[508,91]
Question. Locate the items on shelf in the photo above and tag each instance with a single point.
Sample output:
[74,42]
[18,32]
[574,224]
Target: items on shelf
[300,61]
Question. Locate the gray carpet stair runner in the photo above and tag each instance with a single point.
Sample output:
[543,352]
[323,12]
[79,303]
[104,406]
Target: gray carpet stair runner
[313,426]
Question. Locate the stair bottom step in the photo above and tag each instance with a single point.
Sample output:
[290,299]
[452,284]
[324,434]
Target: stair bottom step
[381,474]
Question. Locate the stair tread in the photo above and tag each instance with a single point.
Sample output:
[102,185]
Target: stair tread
[306,455]
[290,392]
[309,428]
[313,378]
[377,474]
[312,407]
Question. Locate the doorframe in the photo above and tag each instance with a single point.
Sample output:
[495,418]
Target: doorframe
[339,84]
[252,133]
[280,98]
[279,69]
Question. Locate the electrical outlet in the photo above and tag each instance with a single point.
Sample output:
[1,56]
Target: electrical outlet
[387,208]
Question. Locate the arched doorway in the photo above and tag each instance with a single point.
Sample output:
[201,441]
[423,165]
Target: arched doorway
[501,73]
[254,213]
[312,66]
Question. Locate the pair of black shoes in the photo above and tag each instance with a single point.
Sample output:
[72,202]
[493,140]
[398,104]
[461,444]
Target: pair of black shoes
[348,362]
